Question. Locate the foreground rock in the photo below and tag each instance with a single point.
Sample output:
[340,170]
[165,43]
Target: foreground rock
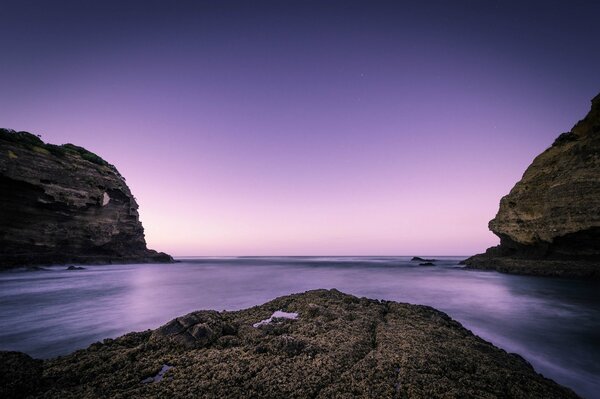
[21,375]
[549,223]
[64,204]
[325,344]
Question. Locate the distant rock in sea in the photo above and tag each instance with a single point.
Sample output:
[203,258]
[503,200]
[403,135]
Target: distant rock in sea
[64,204]
[419,259]
[75,268]
[549,223]
[319,344]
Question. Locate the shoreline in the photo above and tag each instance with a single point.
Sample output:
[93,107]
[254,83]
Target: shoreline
[567,269]
[157,257]
[573,269]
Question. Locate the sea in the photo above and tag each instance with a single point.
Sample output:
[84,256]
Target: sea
[553,323]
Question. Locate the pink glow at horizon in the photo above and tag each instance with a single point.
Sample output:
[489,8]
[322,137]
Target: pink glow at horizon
[240,134]
[377,191]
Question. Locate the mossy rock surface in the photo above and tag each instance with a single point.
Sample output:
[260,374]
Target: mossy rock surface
[35,143]
[339,346]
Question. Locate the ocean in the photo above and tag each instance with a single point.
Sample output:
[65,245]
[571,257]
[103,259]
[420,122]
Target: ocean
[553,323]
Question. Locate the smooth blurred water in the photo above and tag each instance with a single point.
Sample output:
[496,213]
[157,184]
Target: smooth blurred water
[553,323]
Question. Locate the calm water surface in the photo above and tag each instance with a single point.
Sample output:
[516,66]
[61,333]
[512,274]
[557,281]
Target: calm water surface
[553,323]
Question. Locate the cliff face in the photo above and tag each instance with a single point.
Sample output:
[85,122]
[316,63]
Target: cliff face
[334,346]
[61,204]
[553,213]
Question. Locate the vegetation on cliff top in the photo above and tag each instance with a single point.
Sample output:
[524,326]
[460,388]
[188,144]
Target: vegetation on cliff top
[35,143]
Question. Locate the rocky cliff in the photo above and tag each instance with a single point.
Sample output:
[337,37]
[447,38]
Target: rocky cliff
[62,204]
[549,223]
[324,344]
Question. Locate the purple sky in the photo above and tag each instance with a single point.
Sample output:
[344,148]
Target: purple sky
[300,128]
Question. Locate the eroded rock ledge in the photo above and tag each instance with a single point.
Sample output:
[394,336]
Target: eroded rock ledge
[549,223]
[64,204]
[338,346]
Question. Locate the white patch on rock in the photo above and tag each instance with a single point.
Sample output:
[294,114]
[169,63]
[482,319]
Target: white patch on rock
[277,315]
[158,377]
[105,199]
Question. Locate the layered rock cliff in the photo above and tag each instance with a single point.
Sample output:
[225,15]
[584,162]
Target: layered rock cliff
[62,204]
[334,346]
[549,223]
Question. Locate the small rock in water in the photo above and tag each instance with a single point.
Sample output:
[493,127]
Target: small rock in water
[75,268]
[158,377]
[426,264]
[419,259]
[277,315]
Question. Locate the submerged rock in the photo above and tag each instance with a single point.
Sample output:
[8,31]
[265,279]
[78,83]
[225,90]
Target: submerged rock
[549,223]
[64,204]
[75,268]
[35,269]
[337,346]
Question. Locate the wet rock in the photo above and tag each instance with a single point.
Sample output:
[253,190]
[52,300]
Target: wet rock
[75,268]
[64,204]
[159,376]
[426,264]
[276,317]
[549,223]
[339,346]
